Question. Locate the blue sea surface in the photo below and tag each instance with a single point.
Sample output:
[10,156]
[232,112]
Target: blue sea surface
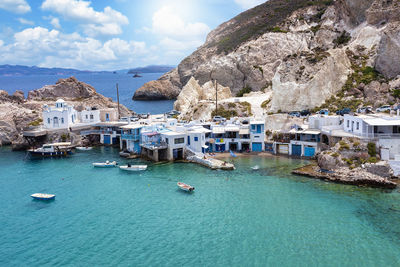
[104,83]
[104,217]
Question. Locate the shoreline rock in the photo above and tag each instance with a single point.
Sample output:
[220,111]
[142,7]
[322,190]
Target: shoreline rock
[358,176]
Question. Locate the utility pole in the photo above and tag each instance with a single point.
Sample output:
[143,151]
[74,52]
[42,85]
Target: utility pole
[119,115]
[216,97]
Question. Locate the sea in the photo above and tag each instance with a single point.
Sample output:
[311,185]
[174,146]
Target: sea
[108,217]
[104,83]
[268,217]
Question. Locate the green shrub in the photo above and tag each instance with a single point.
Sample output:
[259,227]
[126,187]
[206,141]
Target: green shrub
[348,161]
[268,132]
[371,149]
[335,155]
[231,105]
[36,122]
[265,103]
[372,160]
[342,39]
[356,143]
[343,147]
[244,90]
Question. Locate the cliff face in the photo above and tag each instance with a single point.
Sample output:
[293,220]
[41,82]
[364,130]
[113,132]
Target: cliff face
[298,50]
[17,113]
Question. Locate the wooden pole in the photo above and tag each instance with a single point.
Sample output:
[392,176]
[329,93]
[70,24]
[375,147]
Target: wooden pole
[216,98]
[119,115]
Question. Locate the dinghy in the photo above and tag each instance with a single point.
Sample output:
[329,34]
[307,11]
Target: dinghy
[42,196]
[106,164]
[84,148]
[254,168]
[185,187]
[133,167]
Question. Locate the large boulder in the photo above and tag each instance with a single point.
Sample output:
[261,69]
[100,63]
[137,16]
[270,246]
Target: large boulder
[327,161]
[69,88]
[387,61]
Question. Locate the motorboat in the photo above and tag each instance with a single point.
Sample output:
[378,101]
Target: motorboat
[52,150]
[185,187]
[43,196]
[254,168]
[130,167]
[106,164]
[84,148]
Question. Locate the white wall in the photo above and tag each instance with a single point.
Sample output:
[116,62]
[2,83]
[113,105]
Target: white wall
[88,116]
[354,125]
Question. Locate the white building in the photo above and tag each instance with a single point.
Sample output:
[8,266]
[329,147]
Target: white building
[90,115]
[196,139]
[59,117]
[372,126]
[257,135]
[176,144]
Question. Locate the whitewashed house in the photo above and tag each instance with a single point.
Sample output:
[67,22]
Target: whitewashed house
[176,142]
[89,115]
[60,116]
[196,139]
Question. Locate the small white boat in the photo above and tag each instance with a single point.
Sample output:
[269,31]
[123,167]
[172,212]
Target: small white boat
[185,187]
[42,196]
[133,167]
[106,164]
[84,148]
[254,168]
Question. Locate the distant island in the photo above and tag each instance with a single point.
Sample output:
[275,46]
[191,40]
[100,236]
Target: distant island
[6,70]
[152,69]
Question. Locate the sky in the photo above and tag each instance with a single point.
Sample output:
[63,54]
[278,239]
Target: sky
[108,35]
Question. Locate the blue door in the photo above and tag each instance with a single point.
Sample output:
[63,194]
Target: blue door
[107,139]
[256,147]
[309,151]
[188,140]
[296,150]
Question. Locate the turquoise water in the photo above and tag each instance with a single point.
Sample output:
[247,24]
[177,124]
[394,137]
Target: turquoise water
[234,218]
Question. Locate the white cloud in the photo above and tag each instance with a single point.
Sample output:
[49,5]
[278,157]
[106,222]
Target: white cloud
[167,22]
[55,22]
[108,22]
[246,4]
[177,37]
[15,6]
[25,21]
[51,48]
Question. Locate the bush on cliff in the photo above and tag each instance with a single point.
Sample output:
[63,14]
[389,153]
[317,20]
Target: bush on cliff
[371,149]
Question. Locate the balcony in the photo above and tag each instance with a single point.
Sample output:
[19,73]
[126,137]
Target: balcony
[133,137]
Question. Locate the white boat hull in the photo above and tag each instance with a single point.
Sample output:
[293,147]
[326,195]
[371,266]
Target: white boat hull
[81,148]
[104,165]
[134,168]
[185,187]
[42,196]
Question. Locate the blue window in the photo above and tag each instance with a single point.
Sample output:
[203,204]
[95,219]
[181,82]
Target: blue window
[188,140]
[107,117]
[48,120]
[196,139]
[258,128]
[62,120]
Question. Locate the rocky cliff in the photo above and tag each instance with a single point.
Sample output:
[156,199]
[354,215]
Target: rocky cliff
[17,113]
[303,52]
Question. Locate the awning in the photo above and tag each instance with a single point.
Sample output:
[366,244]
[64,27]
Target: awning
[382,122]
[205,147]
[231,129]
[150,134]
[244,131]
[311,132]
[218,130]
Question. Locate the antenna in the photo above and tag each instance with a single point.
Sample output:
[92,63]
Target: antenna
[119,115]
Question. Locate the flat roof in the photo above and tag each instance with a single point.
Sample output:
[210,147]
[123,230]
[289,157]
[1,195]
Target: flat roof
[382,122]
[132,126]
[231,128]
[172,133]
[257,122]
[111,123]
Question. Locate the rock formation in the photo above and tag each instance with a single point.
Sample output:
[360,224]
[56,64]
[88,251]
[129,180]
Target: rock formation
[192,94]
[17,113]
[305,49]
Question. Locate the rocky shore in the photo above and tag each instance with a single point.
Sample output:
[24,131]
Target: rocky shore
[18,113]
[357,176]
